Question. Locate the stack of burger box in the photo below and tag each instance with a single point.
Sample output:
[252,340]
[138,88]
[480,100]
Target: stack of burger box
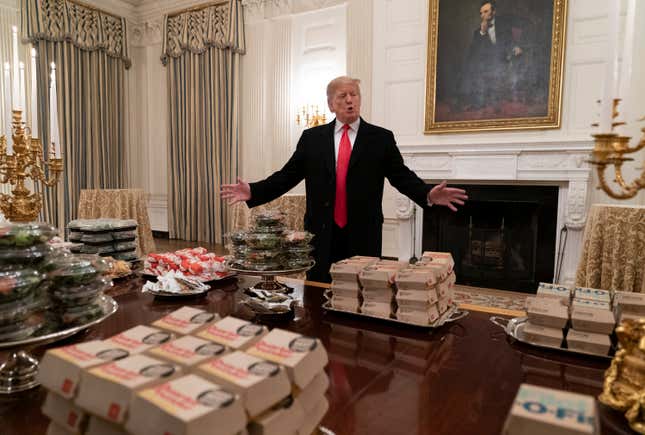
[304,359]
[425,290]
[629,306]
[173,379]
[345,287]
[377,282]
[548,314]
[592,321]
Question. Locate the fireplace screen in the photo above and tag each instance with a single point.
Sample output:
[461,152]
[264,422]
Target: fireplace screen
[503,238]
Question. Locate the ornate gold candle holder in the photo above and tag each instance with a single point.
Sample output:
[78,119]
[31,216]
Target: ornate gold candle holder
[624,386]
[26,162]
[610,150]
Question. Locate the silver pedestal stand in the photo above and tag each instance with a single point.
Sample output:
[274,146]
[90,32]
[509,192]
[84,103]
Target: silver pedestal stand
[19,372]
[269,283]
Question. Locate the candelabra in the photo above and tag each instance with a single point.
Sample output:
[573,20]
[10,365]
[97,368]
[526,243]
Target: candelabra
[310,116]
[26,162]
[610,149]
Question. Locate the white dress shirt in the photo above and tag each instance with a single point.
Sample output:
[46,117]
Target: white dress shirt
[491,32]
[338,133]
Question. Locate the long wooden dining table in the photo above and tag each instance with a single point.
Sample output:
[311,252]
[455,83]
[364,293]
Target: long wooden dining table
[385,378]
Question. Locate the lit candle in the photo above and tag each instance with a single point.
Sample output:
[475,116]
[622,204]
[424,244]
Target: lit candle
[53,113]
[628,48]
[16,66]
[34,95]
[21,86]
[7,106]
[611,67]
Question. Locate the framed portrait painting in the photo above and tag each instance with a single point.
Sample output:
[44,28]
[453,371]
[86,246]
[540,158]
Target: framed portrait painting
[494,65]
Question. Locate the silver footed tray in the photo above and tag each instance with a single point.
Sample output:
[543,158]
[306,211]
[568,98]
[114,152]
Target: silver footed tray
[18,372]
[269,283]
[451,315]
[514,328]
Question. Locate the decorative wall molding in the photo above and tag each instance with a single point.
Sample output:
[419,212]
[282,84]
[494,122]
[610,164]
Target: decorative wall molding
[146,33]
[404,207]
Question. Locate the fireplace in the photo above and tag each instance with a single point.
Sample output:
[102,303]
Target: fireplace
[503,238]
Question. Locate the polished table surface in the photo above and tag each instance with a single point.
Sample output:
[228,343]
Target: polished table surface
[384,379]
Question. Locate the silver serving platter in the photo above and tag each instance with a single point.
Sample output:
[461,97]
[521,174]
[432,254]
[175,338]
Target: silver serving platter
[164,294]
[451,315]
[514,328]
[109,306]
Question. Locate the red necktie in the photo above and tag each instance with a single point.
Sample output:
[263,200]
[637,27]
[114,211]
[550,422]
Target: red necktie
[342,162]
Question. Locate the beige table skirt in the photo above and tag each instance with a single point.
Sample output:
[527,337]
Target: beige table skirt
[613,254]
[119,204]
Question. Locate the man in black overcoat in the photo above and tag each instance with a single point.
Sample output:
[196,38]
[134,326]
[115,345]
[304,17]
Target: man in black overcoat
[346,218]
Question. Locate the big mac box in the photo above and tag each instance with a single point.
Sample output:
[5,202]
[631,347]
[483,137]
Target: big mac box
[417,279]
[304,357]
[64,413]
[314,417]
[543,411]
[347,270]
[592,320]
[139,339]
[188,405]
[592,294]
[185,320]
[628,302]
[547,290]
[549,312]
[60,369]
[590,342]
[345,303]
[377,309]
[345,288]
[438,258]
[188,351]
[411,314]
[106,390]
[233,332]
[260,383]
[445,288]
[377,277]
[284,418]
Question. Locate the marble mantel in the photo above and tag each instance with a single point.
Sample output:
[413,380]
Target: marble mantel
[546,163]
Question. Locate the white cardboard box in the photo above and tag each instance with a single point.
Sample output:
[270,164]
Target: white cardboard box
[64,413]
[117,382]
[233,332]
[188,351]
[543,334]
[98,426]
[550,312]
[260,383]
[140,338]
[185,320]
[313,392]
[57,429]
[283,419]
[314,417]
[631,302]
[593,320]
[188,405]
[589,303]
[592,294]
[554,291]
[543,411]
[588,342]
[304,357]
[60,369]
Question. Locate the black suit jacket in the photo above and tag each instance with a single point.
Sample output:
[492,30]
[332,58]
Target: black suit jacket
[374,157]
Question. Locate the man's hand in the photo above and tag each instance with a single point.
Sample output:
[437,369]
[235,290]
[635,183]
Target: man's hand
[483,27]
[448,196]
[517,51]
[236,192]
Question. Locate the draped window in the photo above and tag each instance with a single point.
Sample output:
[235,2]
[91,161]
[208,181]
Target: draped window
[202,50]
[89,48]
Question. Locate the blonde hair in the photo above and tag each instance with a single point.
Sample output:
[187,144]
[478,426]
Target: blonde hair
[342,80]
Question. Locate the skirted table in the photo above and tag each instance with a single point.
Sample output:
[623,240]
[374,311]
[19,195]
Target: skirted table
[613,254]
[119,204]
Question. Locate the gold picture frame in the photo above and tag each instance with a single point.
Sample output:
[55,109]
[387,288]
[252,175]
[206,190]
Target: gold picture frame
[500,85]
